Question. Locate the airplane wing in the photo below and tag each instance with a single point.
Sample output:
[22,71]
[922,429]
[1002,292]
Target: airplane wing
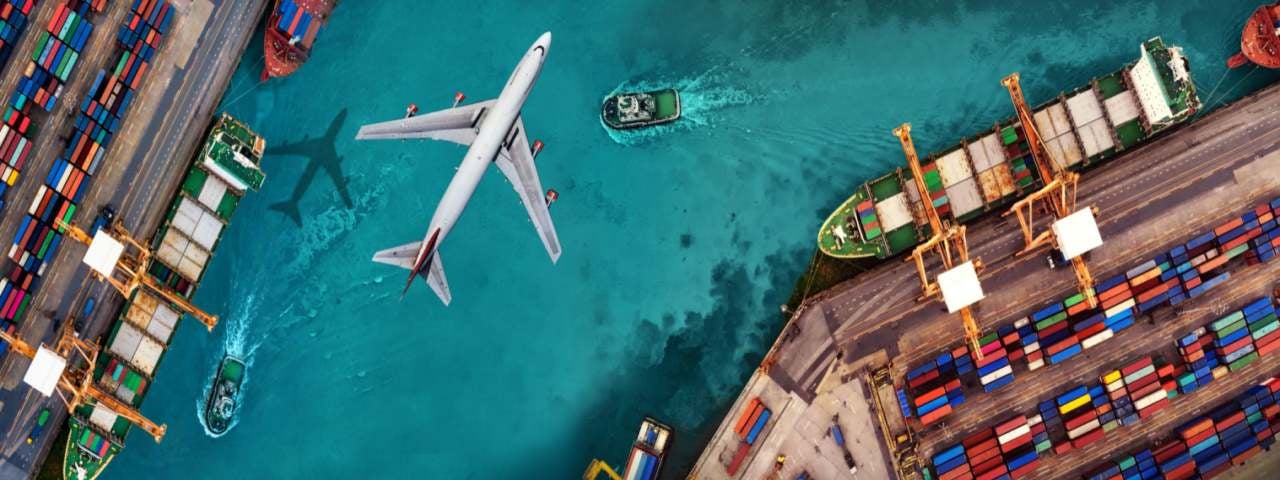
[516,163]
[457,125]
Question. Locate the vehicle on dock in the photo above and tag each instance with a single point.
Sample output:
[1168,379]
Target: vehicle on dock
[648,451]
[41,420]
[990,171]
[838,435]
[1260,39]
[224,395]
[290,33]
[640,109]
[224,170]
[106,216]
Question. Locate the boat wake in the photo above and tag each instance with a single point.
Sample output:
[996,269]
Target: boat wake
[236,343]
[702,100]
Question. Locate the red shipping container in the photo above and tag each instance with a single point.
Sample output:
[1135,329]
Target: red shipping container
[1052,329]
[1083,418]
[922,379]
[1010,425]
[1191,430]
[746,415]
[1025,469]
[1227,227]
[1153,408]
[935,414]
[959,473]
[978,439]
[1063,345]
[987,466]
[1091,331]
[994,473]
[1182,472]
[1088,438]
[1077,308]
[1016,443]
[930,396]
[738,457]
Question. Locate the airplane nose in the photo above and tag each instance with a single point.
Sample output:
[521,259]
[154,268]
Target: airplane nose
[545,41]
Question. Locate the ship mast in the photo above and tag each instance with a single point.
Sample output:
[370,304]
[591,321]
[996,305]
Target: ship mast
[1059,192]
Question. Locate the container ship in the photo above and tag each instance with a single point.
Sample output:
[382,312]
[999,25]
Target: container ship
[225,169]
[648,451]
[988,172]
[291,30]
[1260,39]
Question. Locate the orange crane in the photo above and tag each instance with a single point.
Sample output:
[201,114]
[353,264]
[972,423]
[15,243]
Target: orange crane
[76,387]
[1059,192]
[132,268]
[948,241]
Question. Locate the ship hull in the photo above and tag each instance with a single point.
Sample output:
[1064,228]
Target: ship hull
[988,172]
[1260,39]
[291,29]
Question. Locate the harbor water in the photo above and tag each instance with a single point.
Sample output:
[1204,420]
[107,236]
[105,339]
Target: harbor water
[680,243]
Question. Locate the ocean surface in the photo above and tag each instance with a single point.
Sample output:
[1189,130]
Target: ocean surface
[679,243]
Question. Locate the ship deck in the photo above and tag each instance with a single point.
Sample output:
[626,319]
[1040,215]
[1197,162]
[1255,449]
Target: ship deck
[1151,199]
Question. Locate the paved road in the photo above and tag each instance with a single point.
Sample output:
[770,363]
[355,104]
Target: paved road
[872,311]
[147,158]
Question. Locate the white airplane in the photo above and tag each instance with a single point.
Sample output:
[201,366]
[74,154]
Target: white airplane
[495,133]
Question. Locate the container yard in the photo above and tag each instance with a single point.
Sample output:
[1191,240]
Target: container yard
[1060,381]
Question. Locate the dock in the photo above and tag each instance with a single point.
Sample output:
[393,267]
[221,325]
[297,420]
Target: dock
[845,350]
[148,156]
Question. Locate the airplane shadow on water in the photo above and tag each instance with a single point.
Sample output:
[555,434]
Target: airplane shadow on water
[320,153]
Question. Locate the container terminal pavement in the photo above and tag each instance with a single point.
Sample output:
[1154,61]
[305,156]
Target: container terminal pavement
[846,354]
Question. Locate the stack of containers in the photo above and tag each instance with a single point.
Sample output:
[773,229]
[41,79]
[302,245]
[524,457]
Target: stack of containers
[14,147]
[1136,391]
[937,193]
[935,385]
[14,297]
[904,405]
[1141,466]
[1199,359]
[13,21]
[1005,451]
[867,218]
[748,427]
[1266,245]
[297,23]
[1080,409]
[994,370]
[142,31]
[56,53]
[1019,153]
[36,239]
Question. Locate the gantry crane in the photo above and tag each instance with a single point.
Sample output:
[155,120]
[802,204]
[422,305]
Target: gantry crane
[1059,192]
[133,270]
[76,386]
[948,241]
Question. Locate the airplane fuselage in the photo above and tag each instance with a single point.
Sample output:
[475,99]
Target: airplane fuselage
[493,132]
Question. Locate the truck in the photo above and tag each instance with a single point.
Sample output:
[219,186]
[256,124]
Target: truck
[838,436]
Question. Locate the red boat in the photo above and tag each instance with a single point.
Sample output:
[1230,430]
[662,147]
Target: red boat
[291,31]
[1260,40]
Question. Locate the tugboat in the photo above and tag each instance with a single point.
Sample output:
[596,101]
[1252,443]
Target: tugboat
[641,109]
[220,407]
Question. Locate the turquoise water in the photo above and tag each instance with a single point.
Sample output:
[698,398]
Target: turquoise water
[679,244]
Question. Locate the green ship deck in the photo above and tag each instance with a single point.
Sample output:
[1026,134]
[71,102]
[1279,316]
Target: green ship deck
[185,241]
[989,171]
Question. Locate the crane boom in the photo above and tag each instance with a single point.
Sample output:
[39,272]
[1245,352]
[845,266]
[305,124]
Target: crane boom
[78,386]
[1059,190]
[135,272]
[946,240]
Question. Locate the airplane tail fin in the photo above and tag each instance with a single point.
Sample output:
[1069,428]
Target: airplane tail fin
[290,209]
[431,269]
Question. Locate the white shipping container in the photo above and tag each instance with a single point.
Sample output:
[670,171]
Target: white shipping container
[996,375]
[965,197]
[1022,322]
[1120,308]
[122,392]
[1085,108]
[1064,150]
[1115,386]
[1035,364]
[893,212]
[1140,374]
[162,323]
[1083,429]
[986,152]
[147,356]
[954,167]
[1014,434]
[126,341]
[207,232]
[1150,399]
[102,417]
[1096,338]
[1121,108]
[1032,347]
[212,192]
[1095,138]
